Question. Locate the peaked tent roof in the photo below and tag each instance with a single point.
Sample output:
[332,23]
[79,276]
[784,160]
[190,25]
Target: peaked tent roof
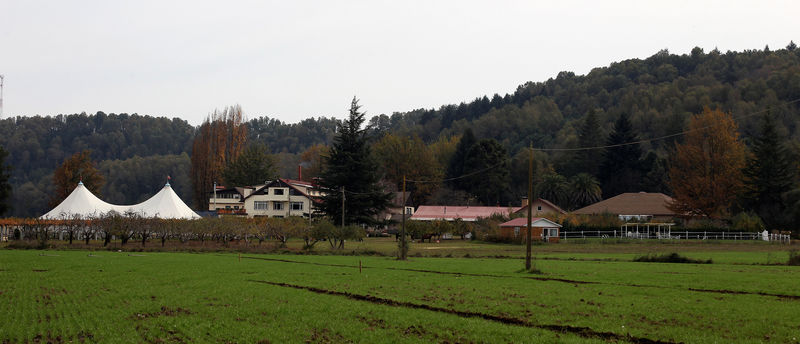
[83,203]
[165,205]
[632,203]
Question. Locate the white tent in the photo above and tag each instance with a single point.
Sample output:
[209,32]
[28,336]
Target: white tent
[165,205]
[83,203]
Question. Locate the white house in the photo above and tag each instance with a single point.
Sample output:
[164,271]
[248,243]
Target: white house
[281,198]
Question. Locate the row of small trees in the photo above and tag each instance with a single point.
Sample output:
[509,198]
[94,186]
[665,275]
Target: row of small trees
[129,226]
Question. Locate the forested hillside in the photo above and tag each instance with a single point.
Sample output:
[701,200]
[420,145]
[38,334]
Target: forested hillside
[128,147]
[657,94]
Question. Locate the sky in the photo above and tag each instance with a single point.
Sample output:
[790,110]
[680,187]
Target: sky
[293,60]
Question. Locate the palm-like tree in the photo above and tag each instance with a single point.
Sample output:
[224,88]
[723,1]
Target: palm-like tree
[584,190]
[554,188]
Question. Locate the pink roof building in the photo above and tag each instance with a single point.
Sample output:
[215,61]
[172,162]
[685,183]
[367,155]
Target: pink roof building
[451,213]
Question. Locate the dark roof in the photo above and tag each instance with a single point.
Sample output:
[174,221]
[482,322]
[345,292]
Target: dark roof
[285,183]
[632,203]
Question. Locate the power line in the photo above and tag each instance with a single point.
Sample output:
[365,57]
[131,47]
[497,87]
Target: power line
[462,176]
[601,147]
[656,138]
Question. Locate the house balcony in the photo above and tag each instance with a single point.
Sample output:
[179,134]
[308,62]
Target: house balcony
[240,212]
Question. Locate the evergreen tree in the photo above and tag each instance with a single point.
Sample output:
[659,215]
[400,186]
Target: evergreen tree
[769,174]
[350,165]
[459,159]
[5,187]
[487,171]
[655,176]
[254,166]
[620,171]
[590,136]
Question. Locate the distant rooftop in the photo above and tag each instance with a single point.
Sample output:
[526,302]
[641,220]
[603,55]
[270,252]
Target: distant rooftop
[449,213]
[632,203]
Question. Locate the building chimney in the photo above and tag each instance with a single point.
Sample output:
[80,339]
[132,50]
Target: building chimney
[300,172]
[524,202]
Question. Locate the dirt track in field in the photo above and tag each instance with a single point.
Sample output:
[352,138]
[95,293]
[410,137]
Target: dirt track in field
[580,331]
[699,290]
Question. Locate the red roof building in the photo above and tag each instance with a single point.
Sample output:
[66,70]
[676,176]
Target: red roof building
[543,229]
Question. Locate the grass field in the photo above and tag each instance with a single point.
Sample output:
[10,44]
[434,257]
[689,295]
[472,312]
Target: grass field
[590,293]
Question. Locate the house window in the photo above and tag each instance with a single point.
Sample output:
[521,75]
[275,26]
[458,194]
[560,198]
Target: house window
[260,205]
[539,208]
[277,206]
[297,205]
[277,192]
[516,232]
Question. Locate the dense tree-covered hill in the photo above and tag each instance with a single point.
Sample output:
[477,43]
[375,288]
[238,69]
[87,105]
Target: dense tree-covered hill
[658,94]
[37,145]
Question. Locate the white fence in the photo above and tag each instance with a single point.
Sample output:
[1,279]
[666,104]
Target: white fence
[673,235]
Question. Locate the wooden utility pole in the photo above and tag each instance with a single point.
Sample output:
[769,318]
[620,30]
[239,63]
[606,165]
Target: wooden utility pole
[530,211]
[342,206]
[403,227]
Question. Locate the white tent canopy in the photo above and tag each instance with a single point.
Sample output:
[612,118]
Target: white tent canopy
[81,202]
[165,205]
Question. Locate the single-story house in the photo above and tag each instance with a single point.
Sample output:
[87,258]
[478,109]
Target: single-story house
[543,229]
[636,206]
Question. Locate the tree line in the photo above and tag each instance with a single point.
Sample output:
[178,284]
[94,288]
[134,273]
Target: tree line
[123,229]
[657,96]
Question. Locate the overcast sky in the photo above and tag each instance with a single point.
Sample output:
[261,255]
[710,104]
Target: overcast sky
[297,59]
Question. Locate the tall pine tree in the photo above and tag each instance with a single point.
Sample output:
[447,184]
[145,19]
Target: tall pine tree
[459,159]
[487,173]
[5,187]
[621,171]
[351,172]
[769,174]
[589,160]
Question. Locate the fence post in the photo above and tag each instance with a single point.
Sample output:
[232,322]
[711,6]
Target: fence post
[583,236]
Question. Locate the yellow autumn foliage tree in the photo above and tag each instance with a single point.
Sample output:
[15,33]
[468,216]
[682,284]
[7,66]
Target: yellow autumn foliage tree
[706,170]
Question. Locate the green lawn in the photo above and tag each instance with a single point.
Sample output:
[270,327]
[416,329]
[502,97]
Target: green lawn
[589,296]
